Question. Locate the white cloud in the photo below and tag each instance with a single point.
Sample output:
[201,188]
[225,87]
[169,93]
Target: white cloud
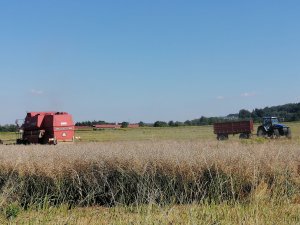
[36,92]
[220,97]
[248,94]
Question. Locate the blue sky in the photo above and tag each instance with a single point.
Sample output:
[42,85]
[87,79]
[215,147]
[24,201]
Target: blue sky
[147,60]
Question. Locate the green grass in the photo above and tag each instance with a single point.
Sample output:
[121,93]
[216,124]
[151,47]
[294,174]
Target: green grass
[263,213]
[8,137]
[163,133]
[151,133]
[147,133]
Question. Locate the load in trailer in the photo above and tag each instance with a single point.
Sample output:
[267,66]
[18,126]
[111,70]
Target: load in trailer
[46,128]
[224,129]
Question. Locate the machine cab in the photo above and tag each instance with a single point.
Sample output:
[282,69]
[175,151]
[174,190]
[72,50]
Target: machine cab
[268,121]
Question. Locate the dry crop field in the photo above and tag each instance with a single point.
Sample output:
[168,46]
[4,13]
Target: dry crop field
[167,176]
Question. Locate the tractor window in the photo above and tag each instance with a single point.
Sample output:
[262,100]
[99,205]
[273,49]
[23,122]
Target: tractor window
[274,121]
[267,121]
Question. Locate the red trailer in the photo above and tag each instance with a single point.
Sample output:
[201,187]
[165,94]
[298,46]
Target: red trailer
[46,128]
[244,128]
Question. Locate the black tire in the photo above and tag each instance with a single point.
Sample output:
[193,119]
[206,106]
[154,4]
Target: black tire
[19,142]
[289,133]
[222,137]
[276,133]
[261,132]
[244,136]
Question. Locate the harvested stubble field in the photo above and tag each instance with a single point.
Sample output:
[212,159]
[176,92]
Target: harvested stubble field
[156,181]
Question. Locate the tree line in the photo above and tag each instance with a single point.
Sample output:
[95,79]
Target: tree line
[288,113]
[91,123]
[8,128]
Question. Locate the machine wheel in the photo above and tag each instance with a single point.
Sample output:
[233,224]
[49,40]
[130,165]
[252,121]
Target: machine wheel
[289,133]
[276,133]
[261,132]
[19,142]
[25,142]
[222,137]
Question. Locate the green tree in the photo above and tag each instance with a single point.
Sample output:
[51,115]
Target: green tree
[187,123]
[244,114]
[124,124]
[141,124]
[178,123]
[171,123]
[160,124]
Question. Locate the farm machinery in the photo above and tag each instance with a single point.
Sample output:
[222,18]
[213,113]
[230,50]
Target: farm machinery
[270,127]
[46,128]
[224,129]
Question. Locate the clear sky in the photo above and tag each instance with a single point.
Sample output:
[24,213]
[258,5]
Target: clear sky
[139,60]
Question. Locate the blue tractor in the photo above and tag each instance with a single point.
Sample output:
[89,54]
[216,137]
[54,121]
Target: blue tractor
[273,129]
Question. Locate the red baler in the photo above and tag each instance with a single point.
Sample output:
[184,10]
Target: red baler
[46,128]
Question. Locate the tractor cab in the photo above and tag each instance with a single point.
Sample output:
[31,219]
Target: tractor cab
[269,122]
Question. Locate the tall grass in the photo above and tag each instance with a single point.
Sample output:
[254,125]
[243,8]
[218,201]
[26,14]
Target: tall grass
[143,172]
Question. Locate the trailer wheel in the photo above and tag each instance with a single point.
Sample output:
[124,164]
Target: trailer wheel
[222,137]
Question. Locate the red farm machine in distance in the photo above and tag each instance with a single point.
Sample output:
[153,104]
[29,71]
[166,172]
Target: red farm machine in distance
[224,129]
[46,128]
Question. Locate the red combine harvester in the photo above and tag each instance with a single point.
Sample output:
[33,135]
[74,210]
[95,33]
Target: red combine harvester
[46,128]
[244,128]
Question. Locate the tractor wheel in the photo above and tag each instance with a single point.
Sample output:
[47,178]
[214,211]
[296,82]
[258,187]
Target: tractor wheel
[261,132]
[276,133]
[289,133]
